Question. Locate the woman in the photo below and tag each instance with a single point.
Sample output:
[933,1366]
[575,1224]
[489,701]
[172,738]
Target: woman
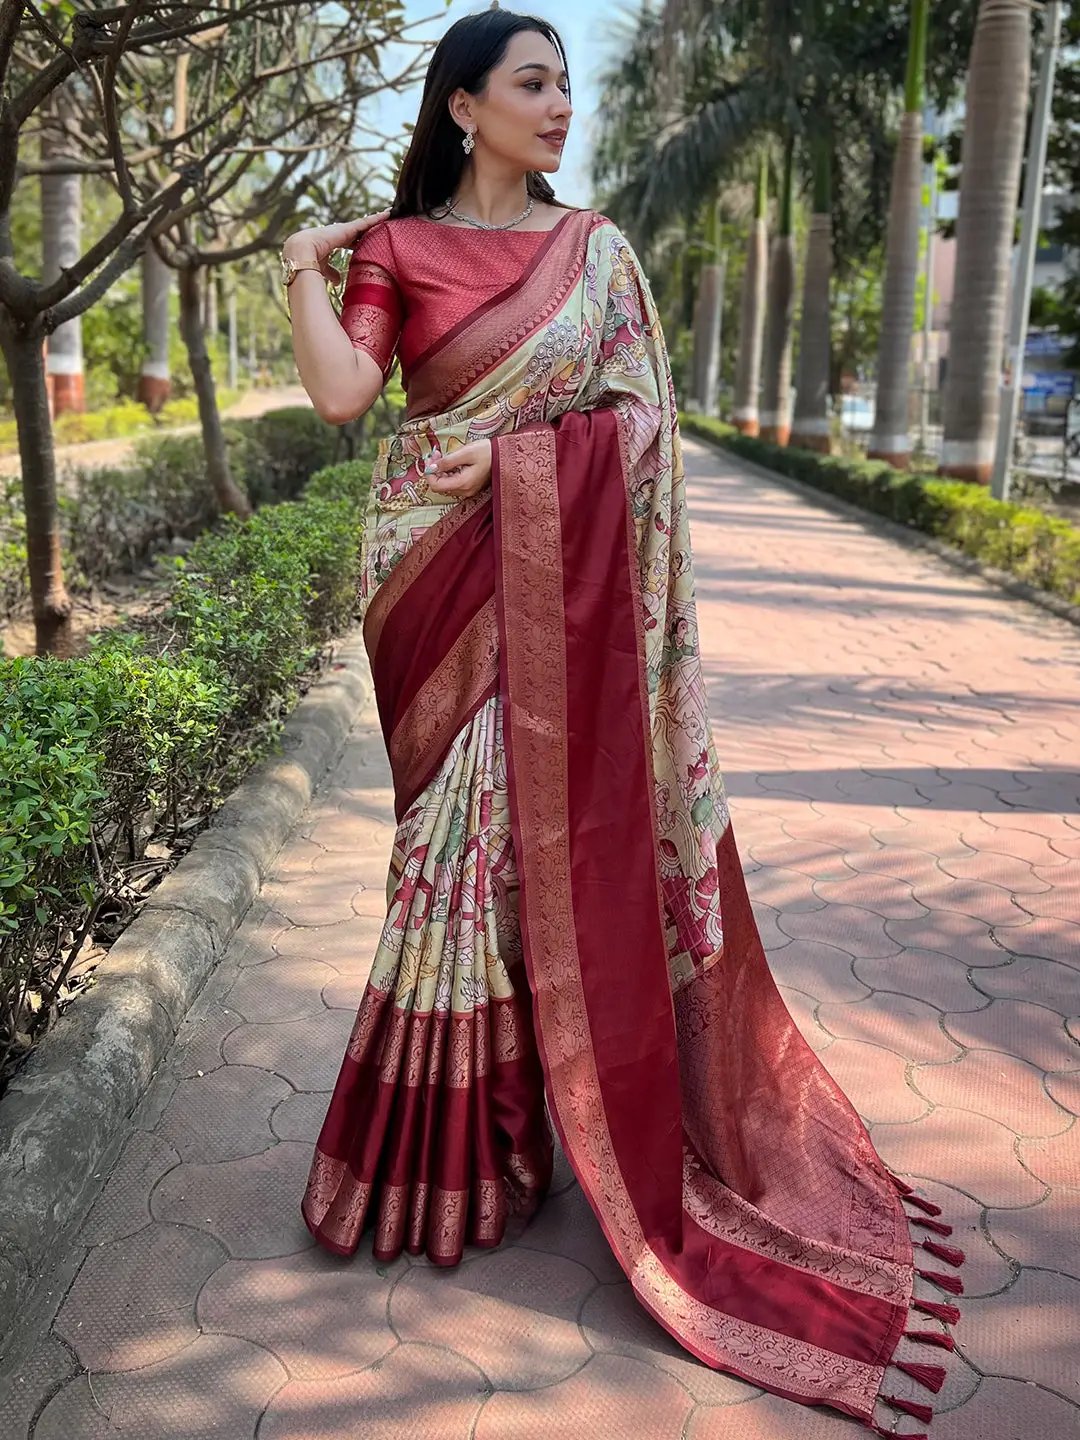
[566,907]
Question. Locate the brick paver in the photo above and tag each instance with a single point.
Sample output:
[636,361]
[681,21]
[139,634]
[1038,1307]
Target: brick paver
[900,744]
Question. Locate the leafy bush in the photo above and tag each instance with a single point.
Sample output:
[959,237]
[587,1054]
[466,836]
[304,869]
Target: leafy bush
[138,738]
[116,517]
[285,447]
[350,480]
[84,745]
[1035,547]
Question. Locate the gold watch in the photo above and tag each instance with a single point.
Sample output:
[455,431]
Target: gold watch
[290,268]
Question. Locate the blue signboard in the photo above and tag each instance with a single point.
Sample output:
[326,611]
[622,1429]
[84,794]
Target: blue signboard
[1043,342]
[1050,384]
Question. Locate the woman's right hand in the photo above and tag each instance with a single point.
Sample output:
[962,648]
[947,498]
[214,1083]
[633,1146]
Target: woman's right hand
[319,241]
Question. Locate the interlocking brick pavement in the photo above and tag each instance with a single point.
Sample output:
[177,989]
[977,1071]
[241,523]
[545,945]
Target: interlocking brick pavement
[900,743]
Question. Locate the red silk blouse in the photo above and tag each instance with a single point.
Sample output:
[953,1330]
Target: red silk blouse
[411,280]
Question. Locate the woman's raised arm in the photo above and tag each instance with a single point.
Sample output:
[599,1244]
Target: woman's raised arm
[342,380]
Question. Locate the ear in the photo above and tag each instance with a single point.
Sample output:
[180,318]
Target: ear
[461,108]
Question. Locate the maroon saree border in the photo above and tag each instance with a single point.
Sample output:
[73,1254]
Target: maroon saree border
[463,681]
[433,644]
[412,565]
[434,1126]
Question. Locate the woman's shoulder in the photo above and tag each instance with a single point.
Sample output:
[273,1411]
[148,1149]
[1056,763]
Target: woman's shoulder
[376,244]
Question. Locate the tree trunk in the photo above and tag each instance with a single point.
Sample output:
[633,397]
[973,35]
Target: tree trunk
[891,439]
[710,309]
[61,246]
[997,100]
[155,380]
[707,337]
[228,494]
[51,602]
[752,316]
[810,428]
[780,312]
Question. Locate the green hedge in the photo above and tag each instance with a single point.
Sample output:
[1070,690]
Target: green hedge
[1035,547]
[126,417]
[139,738]
[119,516]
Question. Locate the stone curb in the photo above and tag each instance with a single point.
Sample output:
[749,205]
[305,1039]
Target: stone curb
[66,1104]
[1001,579]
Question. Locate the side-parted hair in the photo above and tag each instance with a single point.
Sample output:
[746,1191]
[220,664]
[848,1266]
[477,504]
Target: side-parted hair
[463,60]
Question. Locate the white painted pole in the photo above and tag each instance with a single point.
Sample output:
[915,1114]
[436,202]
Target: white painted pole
[930,173]
[1012,383]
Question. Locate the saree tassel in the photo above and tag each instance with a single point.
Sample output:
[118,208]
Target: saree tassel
[892,1435]
[948,1253]
[925,1413]
[937,1226]
[949,1313]
[932,1376]
[927,1205]
[901,1185]
[952,1283]
[931,1337]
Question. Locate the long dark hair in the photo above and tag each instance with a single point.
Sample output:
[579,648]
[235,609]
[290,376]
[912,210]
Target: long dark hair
[463,59]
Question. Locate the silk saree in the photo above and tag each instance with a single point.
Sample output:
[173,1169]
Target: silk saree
[569,945]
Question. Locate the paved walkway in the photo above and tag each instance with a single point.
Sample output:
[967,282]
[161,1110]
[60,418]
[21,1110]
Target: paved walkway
[117,449]
[897,740]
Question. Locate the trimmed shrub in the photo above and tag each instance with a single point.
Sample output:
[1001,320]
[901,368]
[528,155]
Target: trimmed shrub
[350,480]
[137,740]
[273,456]
[1037,548]
[84,746]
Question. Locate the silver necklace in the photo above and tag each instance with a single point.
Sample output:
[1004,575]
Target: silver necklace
[484,224]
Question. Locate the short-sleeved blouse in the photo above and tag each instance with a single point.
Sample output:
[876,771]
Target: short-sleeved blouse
[411,280]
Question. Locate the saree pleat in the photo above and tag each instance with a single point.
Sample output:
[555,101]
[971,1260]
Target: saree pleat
[436,1132]
[567,912]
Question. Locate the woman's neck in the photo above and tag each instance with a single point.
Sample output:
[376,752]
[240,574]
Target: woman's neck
[491,198]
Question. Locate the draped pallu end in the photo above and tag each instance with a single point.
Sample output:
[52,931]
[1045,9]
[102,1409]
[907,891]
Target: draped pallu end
[434,659]
[809,1318]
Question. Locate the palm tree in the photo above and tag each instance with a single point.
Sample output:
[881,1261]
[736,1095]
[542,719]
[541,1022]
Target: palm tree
[891,439]
[997,100]
[810,428]
[752,316]
[779,313]
[708,312]
[700,85]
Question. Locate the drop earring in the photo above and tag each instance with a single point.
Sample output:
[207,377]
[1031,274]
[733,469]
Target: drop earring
[468,144]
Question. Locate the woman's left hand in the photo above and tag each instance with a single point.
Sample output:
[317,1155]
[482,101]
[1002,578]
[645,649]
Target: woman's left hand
[461,474]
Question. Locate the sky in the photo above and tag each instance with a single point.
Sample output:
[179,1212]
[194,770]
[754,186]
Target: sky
[582,24]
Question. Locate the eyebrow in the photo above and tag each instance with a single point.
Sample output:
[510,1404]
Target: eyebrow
[536,65]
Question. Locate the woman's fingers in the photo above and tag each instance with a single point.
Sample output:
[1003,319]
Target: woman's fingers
[352,228]
[465,471]
[466,480]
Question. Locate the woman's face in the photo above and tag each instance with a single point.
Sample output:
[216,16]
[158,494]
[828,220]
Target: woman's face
[523,115]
